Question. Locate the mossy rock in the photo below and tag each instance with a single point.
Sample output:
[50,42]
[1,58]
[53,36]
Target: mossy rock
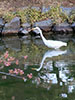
[72,16]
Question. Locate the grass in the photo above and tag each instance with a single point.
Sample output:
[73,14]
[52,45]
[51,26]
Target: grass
[33,15]
[72,16]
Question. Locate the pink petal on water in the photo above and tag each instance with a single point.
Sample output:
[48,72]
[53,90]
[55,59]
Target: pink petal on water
[6,55]
[11,71]
[29,75]
[17,62]
[25,57]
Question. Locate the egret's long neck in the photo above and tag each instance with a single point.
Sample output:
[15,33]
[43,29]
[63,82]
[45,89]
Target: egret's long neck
[43,38]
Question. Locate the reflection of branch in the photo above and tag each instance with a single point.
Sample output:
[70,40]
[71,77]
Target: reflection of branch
[50,54]
[11,75]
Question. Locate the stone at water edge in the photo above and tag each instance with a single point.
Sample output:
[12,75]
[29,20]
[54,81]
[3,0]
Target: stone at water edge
[67,10]
[1,24]
[36,32]
[73,26]
[45,9]
[45,25]
[62,31]
[36,8]
[25,29]
[12,27]
[62,28]
[26,25]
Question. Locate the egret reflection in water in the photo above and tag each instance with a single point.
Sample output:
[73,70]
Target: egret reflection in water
[50,54]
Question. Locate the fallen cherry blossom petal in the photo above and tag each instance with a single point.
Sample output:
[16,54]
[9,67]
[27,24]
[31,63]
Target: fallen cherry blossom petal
[25,57]
[21,72]
[16,71]
[7,63]
[6,55]
[11,59]
[29,75]
[11,71]
[17,62]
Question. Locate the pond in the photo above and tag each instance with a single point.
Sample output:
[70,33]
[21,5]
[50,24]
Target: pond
[48,74]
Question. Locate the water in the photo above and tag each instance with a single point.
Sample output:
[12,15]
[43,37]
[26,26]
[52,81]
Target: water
[53,71]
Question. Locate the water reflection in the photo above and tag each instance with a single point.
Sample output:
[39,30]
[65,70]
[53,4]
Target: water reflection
[55,75]
[59,74]
[50,54]
[55,72]
[12,43]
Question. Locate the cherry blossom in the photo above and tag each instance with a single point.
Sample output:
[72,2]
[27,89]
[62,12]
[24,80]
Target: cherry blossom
[29,75]
[6,55]
[17,62]
[11,59]
[25,57]
[7,63]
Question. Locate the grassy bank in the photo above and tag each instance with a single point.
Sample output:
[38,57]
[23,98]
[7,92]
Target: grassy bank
[33,15]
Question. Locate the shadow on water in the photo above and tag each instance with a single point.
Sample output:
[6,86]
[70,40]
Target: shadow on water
[53,71]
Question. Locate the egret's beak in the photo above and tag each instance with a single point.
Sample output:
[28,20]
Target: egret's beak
[33,68]
[33,29]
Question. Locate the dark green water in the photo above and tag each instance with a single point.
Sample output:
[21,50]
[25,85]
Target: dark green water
[55,75]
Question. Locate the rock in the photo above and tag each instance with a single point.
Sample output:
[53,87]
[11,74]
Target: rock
[62,31]
[72,11]
[36,8]
[62,37]
[23,32]
[62,28]
[1,24]
[12,27]
[24,8]
[44,9]
[25,29]
[1,30]
[67,10]
[36,32]
[2,46]
[45,25]
[73,26]
[26,25]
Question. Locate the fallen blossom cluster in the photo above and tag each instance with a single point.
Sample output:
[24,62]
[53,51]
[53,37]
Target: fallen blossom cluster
[16,71]
[29,75]
[7,60]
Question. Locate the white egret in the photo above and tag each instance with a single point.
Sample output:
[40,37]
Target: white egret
[50,43]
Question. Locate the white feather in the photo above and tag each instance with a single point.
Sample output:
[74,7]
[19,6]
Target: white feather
[51,43]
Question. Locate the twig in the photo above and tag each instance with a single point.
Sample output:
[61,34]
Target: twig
[11,75]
